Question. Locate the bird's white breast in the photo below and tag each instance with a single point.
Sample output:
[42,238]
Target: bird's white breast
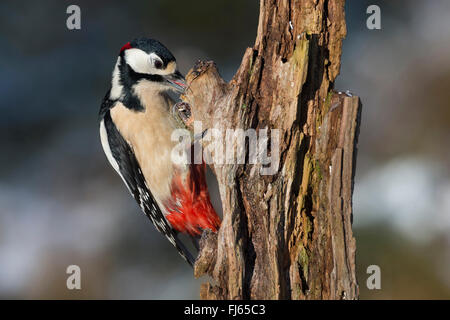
[149,134]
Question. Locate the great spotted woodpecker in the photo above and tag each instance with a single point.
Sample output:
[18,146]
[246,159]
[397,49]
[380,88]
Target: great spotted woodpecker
[136,123]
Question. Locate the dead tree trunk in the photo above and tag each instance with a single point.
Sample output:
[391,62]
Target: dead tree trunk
[287,235]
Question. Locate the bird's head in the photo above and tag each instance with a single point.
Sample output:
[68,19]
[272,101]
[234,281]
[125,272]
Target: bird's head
[148,60]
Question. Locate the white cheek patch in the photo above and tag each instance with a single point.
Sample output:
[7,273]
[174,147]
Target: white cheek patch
[138,60]
[142,62]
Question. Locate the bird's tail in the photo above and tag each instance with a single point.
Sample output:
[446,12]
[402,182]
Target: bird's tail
[184,252]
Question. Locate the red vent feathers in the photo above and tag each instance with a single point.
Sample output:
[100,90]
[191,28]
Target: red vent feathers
[196,211]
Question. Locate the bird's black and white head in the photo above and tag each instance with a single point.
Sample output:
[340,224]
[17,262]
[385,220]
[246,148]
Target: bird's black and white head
[147,62]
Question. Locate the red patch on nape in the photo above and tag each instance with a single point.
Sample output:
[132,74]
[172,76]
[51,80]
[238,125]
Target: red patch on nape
[126,46]
[195,211]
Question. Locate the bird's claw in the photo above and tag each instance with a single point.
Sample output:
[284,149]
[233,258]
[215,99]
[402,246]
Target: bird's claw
[183,111]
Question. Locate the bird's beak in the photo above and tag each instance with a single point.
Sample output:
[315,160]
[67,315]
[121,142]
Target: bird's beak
[177,81]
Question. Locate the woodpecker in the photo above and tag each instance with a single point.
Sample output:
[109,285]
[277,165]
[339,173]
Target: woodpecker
[136,123]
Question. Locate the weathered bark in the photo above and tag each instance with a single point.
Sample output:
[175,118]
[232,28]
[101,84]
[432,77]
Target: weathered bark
[287,235]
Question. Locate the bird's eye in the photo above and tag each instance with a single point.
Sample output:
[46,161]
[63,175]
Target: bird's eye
[158,64]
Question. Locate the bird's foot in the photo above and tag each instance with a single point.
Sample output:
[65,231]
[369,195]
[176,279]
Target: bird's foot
[182,110]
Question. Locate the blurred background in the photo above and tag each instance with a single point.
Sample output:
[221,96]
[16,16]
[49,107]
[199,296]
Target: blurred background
[61,203]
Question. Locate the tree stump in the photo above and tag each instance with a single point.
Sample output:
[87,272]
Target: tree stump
[285,235]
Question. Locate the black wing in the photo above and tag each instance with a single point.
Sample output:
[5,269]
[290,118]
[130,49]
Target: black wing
[134,179]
